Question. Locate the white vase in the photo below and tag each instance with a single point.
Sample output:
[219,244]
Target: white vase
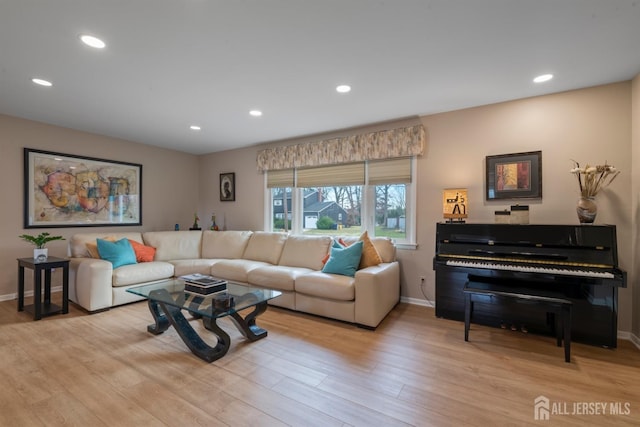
[40,255]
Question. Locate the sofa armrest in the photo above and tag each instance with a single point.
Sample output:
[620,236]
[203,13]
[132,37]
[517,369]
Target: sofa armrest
[90,283]
[377,292]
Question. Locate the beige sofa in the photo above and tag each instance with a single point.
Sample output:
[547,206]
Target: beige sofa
[291,264]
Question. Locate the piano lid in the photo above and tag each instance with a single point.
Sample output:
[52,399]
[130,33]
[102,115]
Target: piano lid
[574,243]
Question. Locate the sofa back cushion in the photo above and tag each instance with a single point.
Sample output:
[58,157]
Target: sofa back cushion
[384,245]
[78,243]
[224,244]
[265,246]
[305,251]
[174,244]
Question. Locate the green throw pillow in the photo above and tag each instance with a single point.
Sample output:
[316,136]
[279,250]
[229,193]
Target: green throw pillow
[118,253]
[344,261]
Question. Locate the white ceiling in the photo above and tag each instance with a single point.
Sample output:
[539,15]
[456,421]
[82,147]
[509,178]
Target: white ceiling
[172,63]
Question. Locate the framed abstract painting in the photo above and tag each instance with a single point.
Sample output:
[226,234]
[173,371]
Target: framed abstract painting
[514,176]
[63,190]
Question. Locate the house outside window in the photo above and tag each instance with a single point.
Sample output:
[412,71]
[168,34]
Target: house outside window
[383,209]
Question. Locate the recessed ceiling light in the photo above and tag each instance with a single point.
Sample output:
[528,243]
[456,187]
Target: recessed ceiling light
[543,78]
[343,89]
[92,41]
[255,113]
[41,82]
[195,127]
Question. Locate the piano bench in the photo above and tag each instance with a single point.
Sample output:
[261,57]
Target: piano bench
[561,308]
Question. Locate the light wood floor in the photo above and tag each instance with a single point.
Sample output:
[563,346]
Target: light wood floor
[106,370]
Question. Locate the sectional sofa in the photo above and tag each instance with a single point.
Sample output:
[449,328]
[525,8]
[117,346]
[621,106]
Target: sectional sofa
[291,264]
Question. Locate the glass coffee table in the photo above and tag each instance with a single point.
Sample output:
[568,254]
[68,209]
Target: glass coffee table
[168,298]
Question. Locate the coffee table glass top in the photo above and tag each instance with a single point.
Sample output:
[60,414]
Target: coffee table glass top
[172,292]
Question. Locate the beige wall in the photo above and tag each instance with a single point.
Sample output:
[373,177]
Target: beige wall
[169,187]
[635,197]
[590,125]
[246,212]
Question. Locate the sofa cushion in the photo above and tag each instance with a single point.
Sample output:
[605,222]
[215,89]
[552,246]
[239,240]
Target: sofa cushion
[118,253]
[276,276]
[344,261]
[324,285]
[92,247]
[143,253]
[370,255]
[265,246]
[236,270]
[305,251]
[78,242]
[172,245]
[189,266]
[224,244]
[142,273]
[335,244]
[384,245]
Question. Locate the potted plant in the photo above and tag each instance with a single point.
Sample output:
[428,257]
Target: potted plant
[40,253]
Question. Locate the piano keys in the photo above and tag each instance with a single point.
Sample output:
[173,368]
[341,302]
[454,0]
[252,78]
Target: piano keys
[578,262]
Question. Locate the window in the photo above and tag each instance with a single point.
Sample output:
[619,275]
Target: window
[391,210]
[332,210]
[346,200]
[281,197]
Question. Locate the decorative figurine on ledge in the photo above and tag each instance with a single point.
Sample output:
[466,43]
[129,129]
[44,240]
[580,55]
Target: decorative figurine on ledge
[214,226]
[195,225]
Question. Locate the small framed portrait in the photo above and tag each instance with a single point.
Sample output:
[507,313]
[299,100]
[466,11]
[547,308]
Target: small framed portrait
[228,187]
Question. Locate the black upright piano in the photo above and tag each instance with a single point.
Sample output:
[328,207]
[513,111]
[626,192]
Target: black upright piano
[575,262]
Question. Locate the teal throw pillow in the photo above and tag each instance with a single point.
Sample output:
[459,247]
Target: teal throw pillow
[118,253]
[344,261]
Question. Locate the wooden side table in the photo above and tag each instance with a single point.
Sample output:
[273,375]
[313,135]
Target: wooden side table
[44,308]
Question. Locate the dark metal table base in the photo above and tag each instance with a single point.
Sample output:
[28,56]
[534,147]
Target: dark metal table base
[167,315]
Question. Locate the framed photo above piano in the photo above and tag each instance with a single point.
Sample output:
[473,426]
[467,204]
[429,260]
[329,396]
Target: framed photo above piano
[514,176]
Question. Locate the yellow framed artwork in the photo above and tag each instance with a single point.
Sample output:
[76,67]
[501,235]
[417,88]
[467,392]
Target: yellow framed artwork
[454,203]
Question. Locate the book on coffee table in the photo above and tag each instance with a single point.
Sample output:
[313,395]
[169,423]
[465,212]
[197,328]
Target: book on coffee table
[203,284]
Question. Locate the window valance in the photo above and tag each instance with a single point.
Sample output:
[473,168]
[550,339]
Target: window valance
[387,144]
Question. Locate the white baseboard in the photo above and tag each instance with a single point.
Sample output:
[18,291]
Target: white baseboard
[635,340]
[622,335]
[9,297]
[417,301]
[14,296]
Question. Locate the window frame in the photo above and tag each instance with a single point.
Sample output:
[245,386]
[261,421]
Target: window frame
[368,210]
